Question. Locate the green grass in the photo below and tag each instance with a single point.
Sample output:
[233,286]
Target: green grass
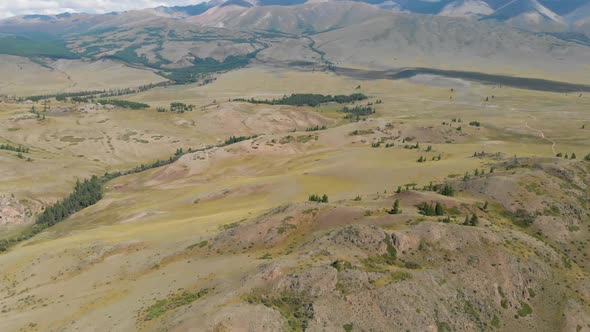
[163,306]
[525,310]
[28,47]
[470,309]
[443,327]
[201,244]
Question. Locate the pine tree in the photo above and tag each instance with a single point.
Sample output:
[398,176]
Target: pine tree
[474,221]
[399,189]
[573,156]
[447,190]
[485,206]
[395,209]
[439,210]
[325,198]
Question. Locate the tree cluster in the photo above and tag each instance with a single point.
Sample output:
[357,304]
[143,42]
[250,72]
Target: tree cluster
[308,99]
[123,103]
[18,149]
[86,96]
[357,112]
[85,194]
[566,156]
[431,209]
[447,190]
[236,139]
[318,198]
[316,128]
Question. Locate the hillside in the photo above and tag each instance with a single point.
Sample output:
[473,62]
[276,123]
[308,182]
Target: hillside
[449,43]
[301,19]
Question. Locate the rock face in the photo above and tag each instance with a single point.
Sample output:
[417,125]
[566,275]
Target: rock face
[12,211]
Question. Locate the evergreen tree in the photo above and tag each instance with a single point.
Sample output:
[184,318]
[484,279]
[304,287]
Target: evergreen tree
[447,190]
[474,221]
[439,210]
[395,209]
[399,188]
[573,156]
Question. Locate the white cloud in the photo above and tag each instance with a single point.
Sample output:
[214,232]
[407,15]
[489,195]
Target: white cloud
[25,7]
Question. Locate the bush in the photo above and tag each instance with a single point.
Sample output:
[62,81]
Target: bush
[411,265]
[520,217]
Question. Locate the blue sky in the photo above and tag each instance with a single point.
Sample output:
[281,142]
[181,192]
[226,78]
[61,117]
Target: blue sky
[23,7]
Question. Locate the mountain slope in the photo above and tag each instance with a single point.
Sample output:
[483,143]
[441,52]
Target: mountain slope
[467,8]
[529,15]
[307,18]
[442,42]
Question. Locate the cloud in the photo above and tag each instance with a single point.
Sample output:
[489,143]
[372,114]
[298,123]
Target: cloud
[48,7]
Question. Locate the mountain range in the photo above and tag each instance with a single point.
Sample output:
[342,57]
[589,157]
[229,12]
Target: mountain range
[182,42]
[533,15]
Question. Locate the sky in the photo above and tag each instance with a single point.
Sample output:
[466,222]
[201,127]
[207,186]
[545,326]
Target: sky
[24,7]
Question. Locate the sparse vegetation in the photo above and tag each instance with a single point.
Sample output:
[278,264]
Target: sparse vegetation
[525,310]
[520,217]
[295,308]
[173,302]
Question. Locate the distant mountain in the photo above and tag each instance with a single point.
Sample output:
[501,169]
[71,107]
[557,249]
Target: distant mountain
[182,42]
[184,11]
[529,15]
[477,8]
[306,18]
[518,8]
